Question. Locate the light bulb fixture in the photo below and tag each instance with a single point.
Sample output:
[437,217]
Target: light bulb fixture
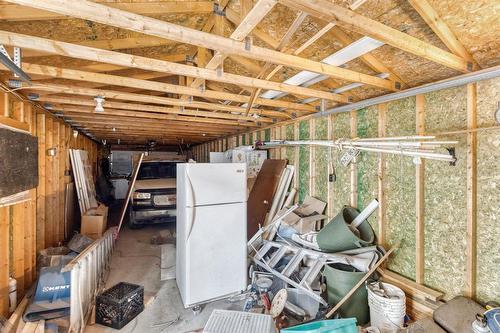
[99,101]
[114,129]
[75,134]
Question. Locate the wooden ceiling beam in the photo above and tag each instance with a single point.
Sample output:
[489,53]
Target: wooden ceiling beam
[115,80]
[235,18]
[351,20]
[22,13]
[128,60]
[152,116]
[144,98]
[150,26]
[112,44]
[441,29]
[256,14]
[151,108]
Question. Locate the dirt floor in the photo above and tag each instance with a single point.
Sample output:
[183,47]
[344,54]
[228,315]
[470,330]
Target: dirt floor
[136,260]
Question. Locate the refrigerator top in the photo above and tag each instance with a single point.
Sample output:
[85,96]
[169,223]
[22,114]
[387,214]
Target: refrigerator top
[201,184]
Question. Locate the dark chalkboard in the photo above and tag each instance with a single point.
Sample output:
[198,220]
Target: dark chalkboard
[18,162]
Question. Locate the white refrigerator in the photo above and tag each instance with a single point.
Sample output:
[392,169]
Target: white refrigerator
[211,259]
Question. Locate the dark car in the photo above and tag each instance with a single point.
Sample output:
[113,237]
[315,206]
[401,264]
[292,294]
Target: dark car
[154,194]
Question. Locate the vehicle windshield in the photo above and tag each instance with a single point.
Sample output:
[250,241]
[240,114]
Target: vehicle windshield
[156,170]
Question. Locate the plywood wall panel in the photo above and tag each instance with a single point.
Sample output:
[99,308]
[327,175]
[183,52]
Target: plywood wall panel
[341,187]
[488,192]
[304,162]
[445,196]
[400,190]
[367,181]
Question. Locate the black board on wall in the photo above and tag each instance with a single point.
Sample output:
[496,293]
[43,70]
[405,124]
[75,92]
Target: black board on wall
[18,162]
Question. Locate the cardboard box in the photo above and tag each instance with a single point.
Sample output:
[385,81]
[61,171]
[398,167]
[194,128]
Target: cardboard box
[94,222]
[307,217]
[253,159]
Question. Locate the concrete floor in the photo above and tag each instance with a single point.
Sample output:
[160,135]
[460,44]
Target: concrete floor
[136,260]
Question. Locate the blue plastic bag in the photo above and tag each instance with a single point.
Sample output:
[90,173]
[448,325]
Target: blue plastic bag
[326,326]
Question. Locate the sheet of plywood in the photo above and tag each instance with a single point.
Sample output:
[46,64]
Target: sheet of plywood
[261,196]
[19,162]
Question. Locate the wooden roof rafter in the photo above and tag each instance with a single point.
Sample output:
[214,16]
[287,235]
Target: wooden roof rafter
[130,21]
[127,60]
[353,21]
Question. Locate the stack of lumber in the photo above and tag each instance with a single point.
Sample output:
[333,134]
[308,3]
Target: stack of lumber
[85,188]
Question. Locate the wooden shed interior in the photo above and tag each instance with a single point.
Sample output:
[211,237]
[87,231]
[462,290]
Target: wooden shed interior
[210,75]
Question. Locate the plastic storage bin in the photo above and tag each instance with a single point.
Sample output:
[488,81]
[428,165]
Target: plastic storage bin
[117,306]
[326,326]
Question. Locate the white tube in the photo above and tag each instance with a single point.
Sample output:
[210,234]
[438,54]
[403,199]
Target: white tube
[372,206]
[12,295]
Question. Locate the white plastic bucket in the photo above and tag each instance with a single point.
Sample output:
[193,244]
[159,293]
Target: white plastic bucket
[387,314]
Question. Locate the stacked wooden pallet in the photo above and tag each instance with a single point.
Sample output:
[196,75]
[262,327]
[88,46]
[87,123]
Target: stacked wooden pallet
[82,172]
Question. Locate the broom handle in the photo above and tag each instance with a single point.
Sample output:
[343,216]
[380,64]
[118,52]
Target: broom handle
[367,275]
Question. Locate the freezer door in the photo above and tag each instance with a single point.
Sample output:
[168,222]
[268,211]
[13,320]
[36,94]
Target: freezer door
[214,262]
[201,184]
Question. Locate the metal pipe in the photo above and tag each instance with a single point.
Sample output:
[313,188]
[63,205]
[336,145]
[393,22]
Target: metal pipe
[485,74]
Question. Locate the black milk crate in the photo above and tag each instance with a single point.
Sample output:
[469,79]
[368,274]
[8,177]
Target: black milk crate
[117,306]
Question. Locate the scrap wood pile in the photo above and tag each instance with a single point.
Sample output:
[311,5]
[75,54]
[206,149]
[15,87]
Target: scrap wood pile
[306,271]
[311,276]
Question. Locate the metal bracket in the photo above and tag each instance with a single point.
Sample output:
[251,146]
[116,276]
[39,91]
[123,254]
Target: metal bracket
[218,10]
[451,151]
[219,71]
[14,66]
[248,43]
[349,156]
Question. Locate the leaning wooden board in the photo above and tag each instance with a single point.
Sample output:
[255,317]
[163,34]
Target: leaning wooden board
[262,194]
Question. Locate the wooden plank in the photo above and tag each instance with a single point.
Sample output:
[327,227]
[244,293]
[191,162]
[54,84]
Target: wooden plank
[331,12]
[354,167]
[164,110]
[61,159]
[411,288]
[27,244]
[262,193]
[441,29]
[13,124]
[420,196]
[70,74]
[132,61]
[382,125]
[22,13]
[330,167]
[471,271]
[40,191]
[4,263]
[126,20]
[18,229]
[49,184]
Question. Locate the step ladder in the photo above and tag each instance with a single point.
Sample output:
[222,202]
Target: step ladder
[270,254]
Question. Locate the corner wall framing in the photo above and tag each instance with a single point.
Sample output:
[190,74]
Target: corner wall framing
[29,226]
[445,215]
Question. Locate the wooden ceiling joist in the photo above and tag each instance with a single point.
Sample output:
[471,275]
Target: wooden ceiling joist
[441,29]
[150,26]
[151,108]
[126,96]
[22,13]
[127,60]
[114,80]
[256,14]
[350,20]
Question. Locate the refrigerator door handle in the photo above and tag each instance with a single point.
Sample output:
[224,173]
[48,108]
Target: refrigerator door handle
[190,220]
